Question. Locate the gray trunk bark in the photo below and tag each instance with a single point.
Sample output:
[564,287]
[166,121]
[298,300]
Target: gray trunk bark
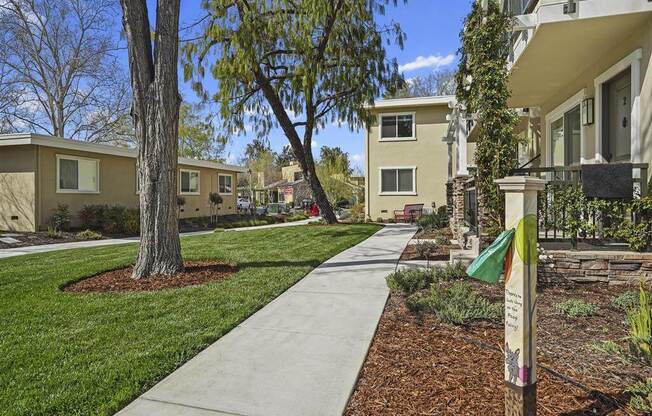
[156,117]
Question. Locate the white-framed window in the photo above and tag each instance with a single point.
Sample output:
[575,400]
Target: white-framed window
[189,182]
[397,180]
[225,184]
[565,133]
[77,174]
[397,126]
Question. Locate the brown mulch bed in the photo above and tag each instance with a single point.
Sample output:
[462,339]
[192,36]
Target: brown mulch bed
[196,273]
[419,366]
[441,253]
[39,238]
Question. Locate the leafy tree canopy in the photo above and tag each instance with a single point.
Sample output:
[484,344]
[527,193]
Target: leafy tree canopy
[293,64]
[441,82]
[198,137]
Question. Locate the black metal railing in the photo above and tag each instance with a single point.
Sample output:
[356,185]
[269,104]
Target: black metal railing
[566,214]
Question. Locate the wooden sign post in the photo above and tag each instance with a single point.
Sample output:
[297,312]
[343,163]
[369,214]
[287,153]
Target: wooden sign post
[520,294]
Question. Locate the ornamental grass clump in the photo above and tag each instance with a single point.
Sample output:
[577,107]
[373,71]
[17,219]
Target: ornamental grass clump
[640,332]
[456,304]
[576,308]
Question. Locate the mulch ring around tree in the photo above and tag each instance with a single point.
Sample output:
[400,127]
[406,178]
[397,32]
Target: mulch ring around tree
[420,366]
[119,280]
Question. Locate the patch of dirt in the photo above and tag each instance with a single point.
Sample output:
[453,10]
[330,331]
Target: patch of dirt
[419,366]
[196,273]
[432,234]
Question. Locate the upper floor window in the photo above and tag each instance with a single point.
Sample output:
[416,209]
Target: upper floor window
[397,126]
[77,174]
[516,7]
[189,182]
[225,184]
[298,176]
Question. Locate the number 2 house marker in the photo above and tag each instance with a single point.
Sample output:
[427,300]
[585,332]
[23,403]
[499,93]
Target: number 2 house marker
[520,294]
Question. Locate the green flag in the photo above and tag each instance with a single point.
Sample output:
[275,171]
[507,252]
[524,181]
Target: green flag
[488,266]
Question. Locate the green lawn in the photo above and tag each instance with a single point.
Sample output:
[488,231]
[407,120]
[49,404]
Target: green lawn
[82,354]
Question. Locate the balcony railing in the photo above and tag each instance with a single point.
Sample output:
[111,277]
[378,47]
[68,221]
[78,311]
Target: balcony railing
[555,216]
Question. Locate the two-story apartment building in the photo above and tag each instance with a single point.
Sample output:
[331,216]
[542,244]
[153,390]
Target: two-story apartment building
[410,154]
[584,68]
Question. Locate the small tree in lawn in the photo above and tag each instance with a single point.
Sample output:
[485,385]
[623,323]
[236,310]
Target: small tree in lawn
[214,200]
[153,60]
[294,64]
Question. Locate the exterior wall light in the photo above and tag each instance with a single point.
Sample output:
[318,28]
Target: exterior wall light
[588,106]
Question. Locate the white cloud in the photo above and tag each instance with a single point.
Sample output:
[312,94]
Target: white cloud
[356,157]
[315,144]
[432,61]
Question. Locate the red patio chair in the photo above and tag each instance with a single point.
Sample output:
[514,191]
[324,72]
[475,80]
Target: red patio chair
[410,213]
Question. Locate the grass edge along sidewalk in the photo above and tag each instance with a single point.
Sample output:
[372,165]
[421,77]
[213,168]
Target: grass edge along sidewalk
[72,354]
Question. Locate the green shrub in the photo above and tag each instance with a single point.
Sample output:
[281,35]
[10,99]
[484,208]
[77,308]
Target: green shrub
[114,219]
[641,399]
[441,240]
[576,307]
[425,249]
[92,216]
[54,233]
[131,223]
[89,235]
[640,332]
[60,219]
[409,281]
[357,209]
[455,304]
[435,220]
[296,217]
[450,272]
[626,300]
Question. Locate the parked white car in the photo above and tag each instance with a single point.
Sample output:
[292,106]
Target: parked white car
[243,203]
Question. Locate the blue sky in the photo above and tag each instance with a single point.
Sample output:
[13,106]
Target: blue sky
[432,28]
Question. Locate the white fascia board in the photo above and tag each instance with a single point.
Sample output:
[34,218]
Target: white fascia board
[59,143]
[524,22]
[412,102]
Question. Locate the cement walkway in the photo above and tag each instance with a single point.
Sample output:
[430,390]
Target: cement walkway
[299,355]
[20,251]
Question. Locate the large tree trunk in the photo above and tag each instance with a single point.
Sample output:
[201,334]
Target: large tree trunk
[156,117]
[308,167]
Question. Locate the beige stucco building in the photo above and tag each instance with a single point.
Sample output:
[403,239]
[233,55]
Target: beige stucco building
[583,69]
[38,172]
[410,154]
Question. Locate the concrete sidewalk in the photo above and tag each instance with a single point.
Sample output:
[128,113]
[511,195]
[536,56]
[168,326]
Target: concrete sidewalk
[20,251]
[299,355]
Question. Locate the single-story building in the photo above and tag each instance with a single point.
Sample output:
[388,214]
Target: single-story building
[38,172]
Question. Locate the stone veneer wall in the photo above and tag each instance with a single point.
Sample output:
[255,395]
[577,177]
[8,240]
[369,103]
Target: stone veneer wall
[613,267]
[456,222]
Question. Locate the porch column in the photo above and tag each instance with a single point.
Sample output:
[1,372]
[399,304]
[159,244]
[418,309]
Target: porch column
[462,158]
[520,294]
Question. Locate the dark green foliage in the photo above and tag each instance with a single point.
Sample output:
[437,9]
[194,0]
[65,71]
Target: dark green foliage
[115,219]
[626,300]
[576,307]
[60,219]
[436,220]
[456,303]
[214,198]
[482,89]
[408,281]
